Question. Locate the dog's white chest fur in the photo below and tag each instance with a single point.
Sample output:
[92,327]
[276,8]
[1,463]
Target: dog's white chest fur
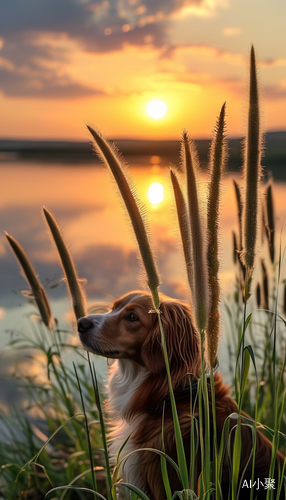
[125,378]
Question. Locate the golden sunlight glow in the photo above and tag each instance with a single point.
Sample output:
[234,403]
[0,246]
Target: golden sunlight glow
[156,193]
[156,109]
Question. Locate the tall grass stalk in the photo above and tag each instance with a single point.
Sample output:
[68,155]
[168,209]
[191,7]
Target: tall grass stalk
[103,431]
[254,426]
[37,288]
[265,286]
[200,292]
[217,163]
[194,434]
[235,248]
[270,223]
[110,157]
[184,226]
[76,292]
[274,393]
[204,425]
[178,435]
[163,460]
[87,431]
[217,450]
[239,212]
[252,175]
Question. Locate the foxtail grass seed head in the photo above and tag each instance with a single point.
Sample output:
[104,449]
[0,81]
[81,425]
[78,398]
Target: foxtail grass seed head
[184,226]
[264,230]
[258,295]
[239,212]
[74,287]
[111,159]
[252,174]
[265,288]
[29,273]
[234,247]
[217,160]
[270,222]
[200,290]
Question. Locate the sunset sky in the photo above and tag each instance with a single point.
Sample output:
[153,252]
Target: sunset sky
[64,63]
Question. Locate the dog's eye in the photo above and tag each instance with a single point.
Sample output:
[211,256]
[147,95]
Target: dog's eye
[132,317]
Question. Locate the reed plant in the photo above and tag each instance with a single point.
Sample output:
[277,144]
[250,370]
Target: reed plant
[252,176]
[37,290]
[217,164]
[200,292]
[137,211]
[270,224]
[74,286]
[184,227]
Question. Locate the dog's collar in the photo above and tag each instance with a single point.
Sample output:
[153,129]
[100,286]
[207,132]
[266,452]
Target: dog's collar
[187,392]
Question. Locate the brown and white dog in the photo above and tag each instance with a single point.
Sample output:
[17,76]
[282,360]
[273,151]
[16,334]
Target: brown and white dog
[138,387]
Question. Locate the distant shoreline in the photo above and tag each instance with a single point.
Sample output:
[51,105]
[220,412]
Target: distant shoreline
[274,158]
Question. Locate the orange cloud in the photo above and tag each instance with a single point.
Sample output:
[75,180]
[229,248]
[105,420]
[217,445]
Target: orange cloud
[205,50]
[231,31]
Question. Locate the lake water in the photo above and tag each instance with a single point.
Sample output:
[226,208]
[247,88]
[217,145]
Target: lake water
[84,201]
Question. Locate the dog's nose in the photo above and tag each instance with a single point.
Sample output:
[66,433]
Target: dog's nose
[84,324]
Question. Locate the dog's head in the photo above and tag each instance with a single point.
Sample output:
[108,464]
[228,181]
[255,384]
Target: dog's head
[131,331]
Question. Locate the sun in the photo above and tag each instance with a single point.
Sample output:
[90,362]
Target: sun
[156,109]
[156,193]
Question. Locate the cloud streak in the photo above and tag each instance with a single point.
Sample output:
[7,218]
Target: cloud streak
[273,92]
[39,38]
[14,83]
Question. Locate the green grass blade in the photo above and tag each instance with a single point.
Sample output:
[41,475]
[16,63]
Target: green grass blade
[87,431]
[164,463]
[35,458]
[122,448]
[244,374]
[75,488]
[134,489]
[216,456]
[178,435]
[102,427]
[236,459]
[239,348]
[152,450]
[194,440]
[178,494]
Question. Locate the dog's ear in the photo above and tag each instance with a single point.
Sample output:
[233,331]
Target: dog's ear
[151,351]
[182,342]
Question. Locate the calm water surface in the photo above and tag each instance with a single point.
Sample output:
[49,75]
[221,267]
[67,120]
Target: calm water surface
[85,203]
